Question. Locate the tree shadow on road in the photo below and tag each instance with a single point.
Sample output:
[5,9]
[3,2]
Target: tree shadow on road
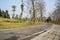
[12,38]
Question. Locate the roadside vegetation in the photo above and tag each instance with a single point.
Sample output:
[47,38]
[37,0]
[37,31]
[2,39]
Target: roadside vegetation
[36,7]
[35,10]
[12,23]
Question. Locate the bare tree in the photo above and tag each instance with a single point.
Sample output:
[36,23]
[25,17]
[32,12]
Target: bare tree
[36,7]
[22,8]
[40,8]
[33,7]
[56,13]
[16,16]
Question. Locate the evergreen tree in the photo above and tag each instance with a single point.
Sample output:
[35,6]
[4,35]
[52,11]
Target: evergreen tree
[4,14]
[7,15]
[0,13]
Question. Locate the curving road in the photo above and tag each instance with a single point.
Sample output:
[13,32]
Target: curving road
[21,33]
[52,34]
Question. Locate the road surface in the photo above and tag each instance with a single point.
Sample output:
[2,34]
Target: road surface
[52,34]
[21,33]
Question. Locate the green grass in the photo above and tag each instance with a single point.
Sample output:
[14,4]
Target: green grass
[11,23]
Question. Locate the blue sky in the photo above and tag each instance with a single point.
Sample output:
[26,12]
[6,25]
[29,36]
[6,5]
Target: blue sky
[50,6]
[7,5]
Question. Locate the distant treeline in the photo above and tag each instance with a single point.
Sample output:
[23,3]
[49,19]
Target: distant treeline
[4,14]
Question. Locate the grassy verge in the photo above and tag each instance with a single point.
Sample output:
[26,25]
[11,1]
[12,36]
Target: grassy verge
[11,23]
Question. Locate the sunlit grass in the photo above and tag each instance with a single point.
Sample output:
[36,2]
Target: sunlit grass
[11,23]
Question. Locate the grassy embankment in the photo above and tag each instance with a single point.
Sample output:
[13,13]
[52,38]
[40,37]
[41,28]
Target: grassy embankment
[11,23]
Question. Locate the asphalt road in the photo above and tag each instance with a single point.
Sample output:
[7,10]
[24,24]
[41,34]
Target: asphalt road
[20,33]
[52,34]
